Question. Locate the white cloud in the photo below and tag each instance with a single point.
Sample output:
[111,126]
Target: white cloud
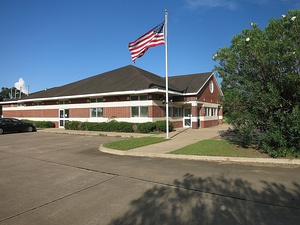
[229,4]
[21,85]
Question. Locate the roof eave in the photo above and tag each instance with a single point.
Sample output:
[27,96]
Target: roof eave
[132,92]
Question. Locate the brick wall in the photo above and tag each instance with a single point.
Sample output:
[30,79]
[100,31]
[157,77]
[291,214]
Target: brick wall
[79,113]
[206,96]
[177,124]
[209,123]
[119,112]
[31,113]
[156,111]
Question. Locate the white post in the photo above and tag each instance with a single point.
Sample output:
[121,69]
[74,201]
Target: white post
[167,82]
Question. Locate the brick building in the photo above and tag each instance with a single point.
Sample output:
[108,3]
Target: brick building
[125,94]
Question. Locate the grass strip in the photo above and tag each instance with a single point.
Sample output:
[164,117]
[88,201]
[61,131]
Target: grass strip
[133,143]
[218,148]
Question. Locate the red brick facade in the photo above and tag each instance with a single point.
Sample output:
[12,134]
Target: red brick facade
[79,113]
[156,111]
[119,107]
[49,113]
[116,112]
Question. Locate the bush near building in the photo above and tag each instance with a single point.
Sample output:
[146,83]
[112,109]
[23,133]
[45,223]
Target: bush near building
[41,124]
[115,126]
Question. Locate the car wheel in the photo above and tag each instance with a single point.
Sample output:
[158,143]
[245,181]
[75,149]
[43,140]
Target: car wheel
[1,131]
[29,129]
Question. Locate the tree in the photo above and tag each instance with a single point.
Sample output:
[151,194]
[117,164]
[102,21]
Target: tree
[5,94]
[9,93]
[260,80]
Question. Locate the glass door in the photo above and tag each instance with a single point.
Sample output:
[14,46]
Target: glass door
[187,117]
[63,117]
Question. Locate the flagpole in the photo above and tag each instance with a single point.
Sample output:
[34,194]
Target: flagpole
[167,82]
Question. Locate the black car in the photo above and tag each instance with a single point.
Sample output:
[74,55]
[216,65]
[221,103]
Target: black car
[14,125]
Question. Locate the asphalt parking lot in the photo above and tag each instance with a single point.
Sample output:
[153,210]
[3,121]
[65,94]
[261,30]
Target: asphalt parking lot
[64,179]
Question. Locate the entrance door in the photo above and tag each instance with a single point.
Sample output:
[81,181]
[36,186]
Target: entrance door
[63,117]
[187,117]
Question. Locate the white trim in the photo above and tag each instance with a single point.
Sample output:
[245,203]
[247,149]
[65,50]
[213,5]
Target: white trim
[194,119]
[154,90]
[84,105]
[53,119]
[208,118]
[212,74]
[212,105]
[194,103]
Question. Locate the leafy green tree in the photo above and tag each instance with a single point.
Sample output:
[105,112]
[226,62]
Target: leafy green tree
[260,74]
[5,93]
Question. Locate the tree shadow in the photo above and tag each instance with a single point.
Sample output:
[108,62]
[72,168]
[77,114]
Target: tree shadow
[196,200]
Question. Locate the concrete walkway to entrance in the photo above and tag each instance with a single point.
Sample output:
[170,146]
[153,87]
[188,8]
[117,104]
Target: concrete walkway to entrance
[178,139]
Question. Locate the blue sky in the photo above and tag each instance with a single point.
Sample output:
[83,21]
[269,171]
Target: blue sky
[50,43]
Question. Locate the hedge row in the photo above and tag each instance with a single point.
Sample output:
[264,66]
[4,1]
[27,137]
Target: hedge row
[115,126]
[41,124]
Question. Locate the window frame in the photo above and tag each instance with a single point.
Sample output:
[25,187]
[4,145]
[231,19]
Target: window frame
[139,111]
[96,112]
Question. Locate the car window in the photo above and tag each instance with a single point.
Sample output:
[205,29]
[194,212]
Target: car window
[15,120]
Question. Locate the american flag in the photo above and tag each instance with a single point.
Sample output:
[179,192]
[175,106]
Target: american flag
[152,38]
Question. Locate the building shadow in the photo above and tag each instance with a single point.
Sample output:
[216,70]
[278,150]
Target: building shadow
[196,200]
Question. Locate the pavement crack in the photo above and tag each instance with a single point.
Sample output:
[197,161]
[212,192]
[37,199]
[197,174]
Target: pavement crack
[173,186]
[59,199]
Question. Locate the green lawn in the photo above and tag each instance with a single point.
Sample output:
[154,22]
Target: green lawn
[133,143]
[218,148]
[203,148]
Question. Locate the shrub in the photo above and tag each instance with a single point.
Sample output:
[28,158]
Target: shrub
[41,124]
[72,125]
[112,126]
[162,124]
[146,127]
[115,126]
[125,127]
[85,126]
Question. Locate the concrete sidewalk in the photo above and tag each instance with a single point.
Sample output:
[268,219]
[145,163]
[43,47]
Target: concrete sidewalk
[178,139]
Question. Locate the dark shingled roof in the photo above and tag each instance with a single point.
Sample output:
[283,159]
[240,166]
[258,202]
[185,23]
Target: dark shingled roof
[128,78]
[190,83]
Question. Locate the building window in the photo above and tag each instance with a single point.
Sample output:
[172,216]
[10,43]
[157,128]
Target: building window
[134,98]
[143,111]
[37,103]
[211,86]
[94,100]
[177,112]
[63,102]
[206,111]
[96,112]
[214,111]
[138,97]
[135,111]
[143,97]
[20,104]
[139,111]
[210,111]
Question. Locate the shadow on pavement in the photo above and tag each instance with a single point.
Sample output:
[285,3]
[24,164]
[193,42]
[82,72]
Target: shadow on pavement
[196,200]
